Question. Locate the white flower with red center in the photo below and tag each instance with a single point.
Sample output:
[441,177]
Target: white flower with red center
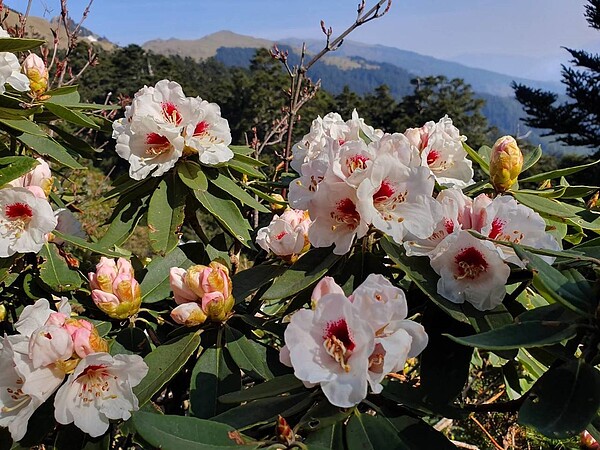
[353,162]
[384,307]
[399,146]
[287,235]
[335,211]
[330,346]
[38,180]
[470,271]
[397,200]
[303,189]
[441,147]
[25,221]
[100,390]
[506,220]
[208,133]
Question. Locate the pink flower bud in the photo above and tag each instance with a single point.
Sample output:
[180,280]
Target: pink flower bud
[506,163]
[181,292]
[189,314]
[327,285]
[114,288]
[38,180]
[287,235]
[106,272]
[37,72]
[50,344]
[85,337]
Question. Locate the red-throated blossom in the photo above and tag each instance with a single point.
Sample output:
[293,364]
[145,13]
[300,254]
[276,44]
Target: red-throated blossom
[287,235]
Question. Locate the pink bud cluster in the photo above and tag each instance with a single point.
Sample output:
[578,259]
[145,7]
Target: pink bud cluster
[114,288]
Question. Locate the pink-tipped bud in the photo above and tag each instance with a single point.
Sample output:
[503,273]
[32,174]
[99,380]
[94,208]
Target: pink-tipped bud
[114,288]
[327,285]
[37,72]
[287,235]
[506,163]
[189,314]
[181,292]
[38,180]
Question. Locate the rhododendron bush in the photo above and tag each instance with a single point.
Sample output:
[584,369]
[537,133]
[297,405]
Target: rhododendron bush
[349,320]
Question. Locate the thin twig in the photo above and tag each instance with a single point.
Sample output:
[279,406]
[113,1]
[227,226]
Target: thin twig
[486,432]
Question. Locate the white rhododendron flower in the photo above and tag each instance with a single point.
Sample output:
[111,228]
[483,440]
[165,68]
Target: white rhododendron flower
[286,235]
[336,217]
[10,70]
[507,220]
[25,221]
[303,189]
[353,162]
[162,122]
[441,148]
[38,180]
[470,271]
[100,389]
[331,346]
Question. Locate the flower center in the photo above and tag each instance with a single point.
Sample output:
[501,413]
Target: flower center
[201,128]
[17,396]
[356,162]
[345,213]
[470,263]
[387,198]
[338,343]
[377,359]
[432,157]
[94,384]
[157,144]
[280,235]
[171,113]
[19,211]
[497,232]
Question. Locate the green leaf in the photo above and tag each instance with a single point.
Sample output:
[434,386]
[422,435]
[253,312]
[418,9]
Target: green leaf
[155,285]
[553,285]
[213,376]
[74,143]
[419,271]
[192,175]
[18,44]
[12,167]
[263,411]
[229,186]
[241,150]
[328,438]
[547,206]
[309,269]
[24,126]
[55,272]
[563,401]
[273,387]
[164,363]
[185,433]
[66,95]
[485,165]
[531,158]
[165,215]
[49,147]
[72,438]
[558,173]
[250,356]
[366,432]
[91,246]
[416,434]
[246,166]
[245,282]
[131,341]
[71,116]
[520,335]
[227,214]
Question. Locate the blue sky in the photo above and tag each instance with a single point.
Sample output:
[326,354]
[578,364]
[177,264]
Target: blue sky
[522,36]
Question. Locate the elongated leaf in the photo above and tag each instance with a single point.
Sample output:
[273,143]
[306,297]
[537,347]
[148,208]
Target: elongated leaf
[19,45]
[563,401]
[531,158]
[558,173]
[241,150]
[366,432]
[328,438]
[155,285]
[66,95]
[273,387]
[91,246]
[131,341]
[214,375]
[165,215]
[185,433]
[192,175]
[520,335]
[227,214]
[164,363]
[72,438]
[250,356]
[55,271]
[419,270]
[247,281]
[49,147]
[485,165]
[244,167]
[229,186]
[12,167]
[24,125]
[546,205]
[309,269]
[71,116]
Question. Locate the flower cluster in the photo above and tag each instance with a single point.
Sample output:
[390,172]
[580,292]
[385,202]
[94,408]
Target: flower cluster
[114,288]
[51,345]
[354,177]
[162,124]
[287,235]
[346,344]
[202,292]
[472,269]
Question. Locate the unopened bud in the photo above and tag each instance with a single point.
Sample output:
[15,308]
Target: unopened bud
[2,313]
[506,163]
[114,288]
[285,434]
[37,72]
[189,314]
[278,208]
